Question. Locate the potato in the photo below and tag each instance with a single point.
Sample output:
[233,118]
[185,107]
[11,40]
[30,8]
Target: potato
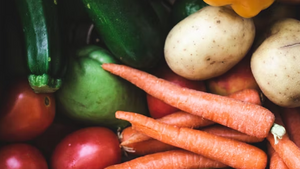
[275,64]
[208,43]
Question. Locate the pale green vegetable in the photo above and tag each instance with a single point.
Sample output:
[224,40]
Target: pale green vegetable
[208,43]
[276,63]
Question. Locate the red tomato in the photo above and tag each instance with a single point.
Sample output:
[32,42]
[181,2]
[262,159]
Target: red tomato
[21,156]
[158,108]
[48,140]
[91,147]
[25,114]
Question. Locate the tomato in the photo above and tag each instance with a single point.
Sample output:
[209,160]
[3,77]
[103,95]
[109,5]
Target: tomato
[48,140]
[23,113]
[90,147]
[21,156]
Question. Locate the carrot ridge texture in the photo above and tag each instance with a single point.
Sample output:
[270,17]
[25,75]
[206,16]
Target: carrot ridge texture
[245,117]
[138,147]
[227,132]
[287,150]
[169,160]
[179,119]
[183,119]
[247,95]
[233,153]
[275,160]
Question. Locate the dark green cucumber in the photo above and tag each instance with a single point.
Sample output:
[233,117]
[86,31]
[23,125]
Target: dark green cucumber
[130,29]
[163,11]
[42,44]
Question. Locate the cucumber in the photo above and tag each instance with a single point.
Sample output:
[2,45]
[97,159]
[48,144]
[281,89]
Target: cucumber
[130,29]
[42,44]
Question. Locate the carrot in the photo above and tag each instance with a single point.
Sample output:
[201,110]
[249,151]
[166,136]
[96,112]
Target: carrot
[169,160]
[275,160]
[245,117]
[179,119]
[153,146]
[224,131]
[248,95]
[182,119]
[285,148]
[148,146]
[291,120]
[231,152]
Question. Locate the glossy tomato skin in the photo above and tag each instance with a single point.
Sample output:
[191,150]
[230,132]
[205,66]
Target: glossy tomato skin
[21,156]
[91,147]
[23,113]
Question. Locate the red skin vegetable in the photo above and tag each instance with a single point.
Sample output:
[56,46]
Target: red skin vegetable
[21,156]
[91,148]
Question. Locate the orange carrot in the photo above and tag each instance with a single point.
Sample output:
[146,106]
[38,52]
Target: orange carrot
[285,148]
[247,95]
[226,132]
[291,120]
[275,161]
[148,146]
[169,160]
[231,152]
[245,117]
[152,146]
[182,119]
[179,119]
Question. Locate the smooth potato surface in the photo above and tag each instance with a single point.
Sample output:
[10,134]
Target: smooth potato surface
[276,64]
[208,43]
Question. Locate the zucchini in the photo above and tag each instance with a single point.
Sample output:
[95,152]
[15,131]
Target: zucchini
[42,44]
[130,29]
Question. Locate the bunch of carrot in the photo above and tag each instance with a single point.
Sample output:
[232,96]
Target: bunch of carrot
[134,142]
[251,120]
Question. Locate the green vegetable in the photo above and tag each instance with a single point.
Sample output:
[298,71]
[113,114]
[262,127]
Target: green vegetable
[130,29]
[42,44]
[163,11]
[183,8]
[91,95]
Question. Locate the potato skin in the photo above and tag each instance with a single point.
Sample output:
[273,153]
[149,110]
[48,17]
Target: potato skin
[208,43]
[276,64]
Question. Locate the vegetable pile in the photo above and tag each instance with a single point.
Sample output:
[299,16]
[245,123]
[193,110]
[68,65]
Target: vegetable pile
[135,84]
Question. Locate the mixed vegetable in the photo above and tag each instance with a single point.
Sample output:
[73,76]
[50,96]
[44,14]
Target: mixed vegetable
[150,84]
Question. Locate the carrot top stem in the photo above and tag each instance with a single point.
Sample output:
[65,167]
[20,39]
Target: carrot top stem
[278,131]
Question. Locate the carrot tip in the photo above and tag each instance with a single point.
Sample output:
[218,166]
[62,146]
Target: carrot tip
[278,132]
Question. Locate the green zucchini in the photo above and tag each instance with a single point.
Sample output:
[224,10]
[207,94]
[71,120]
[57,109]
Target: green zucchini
[130,29]
[42,44]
